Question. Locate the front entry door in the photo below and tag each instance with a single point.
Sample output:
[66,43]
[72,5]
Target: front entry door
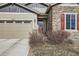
[41,25]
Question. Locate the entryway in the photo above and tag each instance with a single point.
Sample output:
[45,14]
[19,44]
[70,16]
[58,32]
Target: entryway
[42,25]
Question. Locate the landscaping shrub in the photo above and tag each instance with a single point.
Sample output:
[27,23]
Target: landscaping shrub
[54,43]
[69,41]
[57,37]
[36,39]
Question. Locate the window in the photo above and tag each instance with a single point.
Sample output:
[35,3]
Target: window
[40,23]
[9,21]
[18,21]
[27,21]
[73,21]
[70,21]
[2,21]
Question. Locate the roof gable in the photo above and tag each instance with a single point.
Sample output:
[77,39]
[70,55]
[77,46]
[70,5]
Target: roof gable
[38,7]
[26,8]
[12,8]
[21,7]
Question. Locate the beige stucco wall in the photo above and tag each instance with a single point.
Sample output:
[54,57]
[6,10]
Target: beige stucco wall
[56,16]
[27,16]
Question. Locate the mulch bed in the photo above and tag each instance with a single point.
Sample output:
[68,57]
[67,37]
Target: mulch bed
[54,50]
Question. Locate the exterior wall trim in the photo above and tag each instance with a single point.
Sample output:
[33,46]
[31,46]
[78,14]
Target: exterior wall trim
[23,19]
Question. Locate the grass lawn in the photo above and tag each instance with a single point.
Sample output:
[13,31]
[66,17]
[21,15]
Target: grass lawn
[54,50]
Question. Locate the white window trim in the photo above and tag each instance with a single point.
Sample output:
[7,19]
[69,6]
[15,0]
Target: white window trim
[70,25]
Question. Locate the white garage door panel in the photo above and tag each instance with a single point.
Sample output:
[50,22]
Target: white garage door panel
[15,30]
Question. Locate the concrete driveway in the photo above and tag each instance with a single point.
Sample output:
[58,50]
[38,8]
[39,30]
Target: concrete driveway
[14,47]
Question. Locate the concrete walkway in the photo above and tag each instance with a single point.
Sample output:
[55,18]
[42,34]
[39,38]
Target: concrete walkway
[14,47]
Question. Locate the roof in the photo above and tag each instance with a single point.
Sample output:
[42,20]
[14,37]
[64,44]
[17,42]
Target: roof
[20,5]
[50,6]
[40,7]
[24,6]
[39,3]
[29,9]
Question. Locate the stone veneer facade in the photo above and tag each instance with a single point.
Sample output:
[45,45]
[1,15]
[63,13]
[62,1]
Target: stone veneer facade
[56,18]
[49,21]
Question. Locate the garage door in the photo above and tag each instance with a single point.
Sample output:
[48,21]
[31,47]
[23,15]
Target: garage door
[15,29]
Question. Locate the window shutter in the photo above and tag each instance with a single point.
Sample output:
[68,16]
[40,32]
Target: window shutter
[62,21]
[77,21]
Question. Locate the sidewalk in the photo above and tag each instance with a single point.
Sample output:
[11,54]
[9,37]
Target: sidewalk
[14,47]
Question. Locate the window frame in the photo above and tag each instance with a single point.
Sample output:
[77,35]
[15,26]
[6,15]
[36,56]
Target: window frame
[2,21]
[9,21]
[70,22]
[18,21]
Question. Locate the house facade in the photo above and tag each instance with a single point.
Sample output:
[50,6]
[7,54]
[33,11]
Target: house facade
[64,17]
[18,20]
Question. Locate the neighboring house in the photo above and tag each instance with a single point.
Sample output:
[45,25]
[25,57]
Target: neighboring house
[64,17]
[17,20]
